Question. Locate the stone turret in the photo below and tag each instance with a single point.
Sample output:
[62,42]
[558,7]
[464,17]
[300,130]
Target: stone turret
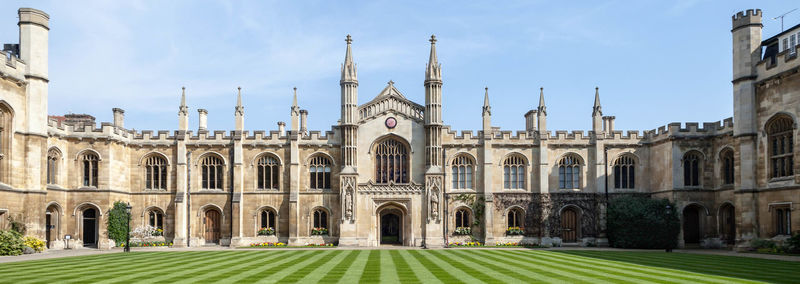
[202,120]
[34,28]
[282,128]
[119,117]
[303,122]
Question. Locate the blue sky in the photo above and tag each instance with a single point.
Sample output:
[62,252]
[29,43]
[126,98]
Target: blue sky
[655,61]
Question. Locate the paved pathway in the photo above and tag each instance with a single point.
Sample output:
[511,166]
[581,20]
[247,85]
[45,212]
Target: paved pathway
[85,251]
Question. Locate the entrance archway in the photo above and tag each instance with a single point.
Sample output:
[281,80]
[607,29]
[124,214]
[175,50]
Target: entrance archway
[569,225]
[393,225]
[211,224]
[727,223]
[390,228]
[691,224]
[89,233]
[52,225]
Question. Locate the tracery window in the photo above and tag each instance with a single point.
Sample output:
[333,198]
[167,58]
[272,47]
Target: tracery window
[267,219]
[319,169]
[212,170]
[783,220]
[320,219]
[692,164]
[462,218]
[515,218]
[462,172]
[514,172]
[268,171]
[89,161]
[391,162]
[726,157]
[155,218]
[781,146]
[53,156]
[569,172]
[625,172]
[155,172]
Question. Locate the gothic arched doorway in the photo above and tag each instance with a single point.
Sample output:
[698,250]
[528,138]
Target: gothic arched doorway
[211,226]
[89,233]
[393,227]
[52,222]
[727,223]
[691,224]
[569,225]
[390,228]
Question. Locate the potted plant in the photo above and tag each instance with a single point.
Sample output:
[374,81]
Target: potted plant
[319,231]
[266,231]
[515,231]
[462,231]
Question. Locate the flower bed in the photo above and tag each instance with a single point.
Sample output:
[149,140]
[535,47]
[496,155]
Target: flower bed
[515,231]
[319,231]
[266,231]
[148,244]
[267,245]
[517,245]
[319,245]
[465,244]
[462,231]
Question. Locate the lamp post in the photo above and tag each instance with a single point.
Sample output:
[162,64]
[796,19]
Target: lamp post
[128,232]
[666,218]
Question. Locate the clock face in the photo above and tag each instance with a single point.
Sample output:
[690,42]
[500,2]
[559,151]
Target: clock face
[391,122]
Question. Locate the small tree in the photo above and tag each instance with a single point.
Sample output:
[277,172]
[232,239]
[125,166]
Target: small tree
[637,222]
[118,222]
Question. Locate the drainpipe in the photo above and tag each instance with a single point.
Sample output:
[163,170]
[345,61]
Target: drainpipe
[188,198]
[446,218]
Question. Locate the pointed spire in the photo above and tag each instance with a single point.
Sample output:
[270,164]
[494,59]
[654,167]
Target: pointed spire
[487,109]
[597,109]
[294,101]
[433,71]
[349,73]
[183,109]
[542,108]
[239,110]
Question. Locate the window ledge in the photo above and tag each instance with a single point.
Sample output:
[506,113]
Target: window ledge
[268,189]
[692,187]
[155,189]
[54,186]
[780,179]
[87,188]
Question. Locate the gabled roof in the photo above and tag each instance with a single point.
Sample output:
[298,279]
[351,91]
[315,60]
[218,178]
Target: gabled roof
[391,99]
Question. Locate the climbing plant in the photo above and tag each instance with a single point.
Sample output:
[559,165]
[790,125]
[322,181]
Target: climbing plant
[476,204]
[118,223]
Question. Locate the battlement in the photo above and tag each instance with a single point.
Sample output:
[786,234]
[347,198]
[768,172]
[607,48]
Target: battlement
[691,129]
[746,18]
[13,68]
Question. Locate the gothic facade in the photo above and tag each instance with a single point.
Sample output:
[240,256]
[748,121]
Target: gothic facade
[391,172]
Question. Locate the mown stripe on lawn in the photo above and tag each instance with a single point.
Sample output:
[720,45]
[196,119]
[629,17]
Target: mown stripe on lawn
[689,263]
[320,271]
[437,271]
[494,267]
[199,272]
[74,266]
[547,275]
[230,271]
[303,271]
[472,271]
[404,272]
[388,269]
[269,268]
[343,266]
[372,272]
[27,269]
[569,271]
[164,269]
[353,274]
[419,269]
[617,273]
[314,257]
[658,273]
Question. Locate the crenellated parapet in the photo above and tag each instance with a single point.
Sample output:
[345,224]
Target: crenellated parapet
[690,130]
[13,68]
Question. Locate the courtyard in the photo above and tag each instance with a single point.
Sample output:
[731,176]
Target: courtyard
[400,265]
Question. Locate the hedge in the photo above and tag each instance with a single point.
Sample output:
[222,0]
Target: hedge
[11,243]
[637,222]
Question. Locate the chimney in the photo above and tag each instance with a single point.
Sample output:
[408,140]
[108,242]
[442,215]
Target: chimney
[303,121]
[119,117]
[610,124]
[530,121]
[282,128]
[202,120]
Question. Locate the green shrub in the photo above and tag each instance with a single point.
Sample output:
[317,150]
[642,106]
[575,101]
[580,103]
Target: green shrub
[794,243]
[758,244]
[637,222]
[118,223]
[34,243]
[11,243]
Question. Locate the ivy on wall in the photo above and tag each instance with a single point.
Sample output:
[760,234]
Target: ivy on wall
[477,204]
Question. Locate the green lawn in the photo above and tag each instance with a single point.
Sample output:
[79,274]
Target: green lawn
[411,266]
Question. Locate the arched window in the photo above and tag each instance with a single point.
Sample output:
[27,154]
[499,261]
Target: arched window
[783,220]
[462,218]
[391,162]
[212,171]
[569,172]
[624,172]
[515,218]
[53,156]
[320,219]
[267,218]
[514,172]
[268,172]
[89,161]
[319,169]
[781,146]
[462,172]
[726,157]
[5,142]
[155,218]
[692,164]
[155,172]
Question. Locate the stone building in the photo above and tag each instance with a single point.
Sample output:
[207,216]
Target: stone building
[391,171]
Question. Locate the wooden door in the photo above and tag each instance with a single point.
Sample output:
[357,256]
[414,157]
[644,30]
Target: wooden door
[211,223]
[728,224]
[89,228]
[691,225]
[569,226]
[48,228]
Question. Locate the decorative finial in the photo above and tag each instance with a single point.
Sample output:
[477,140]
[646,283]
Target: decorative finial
[183,88]
[433,39]
[295,90]
[486,88]
[391,83]
[349,39]
[240,88]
